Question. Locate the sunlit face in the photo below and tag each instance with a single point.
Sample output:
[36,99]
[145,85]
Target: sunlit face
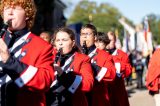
[64,41]
[100,45]
[111,45]
[88,36]
[17,15]
[45,36]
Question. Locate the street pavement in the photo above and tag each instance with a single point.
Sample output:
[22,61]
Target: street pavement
[139,97]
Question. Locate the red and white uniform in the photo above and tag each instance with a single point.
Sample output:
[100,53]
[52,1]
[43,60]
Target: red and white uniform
[76,80]
[105,72]
[117,92]
[28,73]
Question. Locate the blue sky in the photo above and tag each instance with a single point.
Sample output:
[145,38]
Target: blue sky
[135,10]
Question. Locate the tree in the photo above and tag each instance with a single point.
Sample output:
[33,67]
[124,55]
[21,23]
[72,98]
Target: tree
[154,22]
[104,16]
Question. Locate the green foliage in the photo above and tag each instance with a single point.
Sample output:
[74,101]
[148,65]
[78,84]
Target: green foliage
[154,22]
[104,16]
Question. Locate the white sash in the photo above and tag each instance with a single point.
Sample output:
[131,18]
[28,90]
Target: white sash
[6,78]
[117,64]
[115,52]
[68,61]
[92,54]
[20,41]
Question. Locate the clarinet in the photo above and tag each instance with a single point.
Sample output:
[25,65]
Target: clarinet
[4,28]
[58,55]
[84,48]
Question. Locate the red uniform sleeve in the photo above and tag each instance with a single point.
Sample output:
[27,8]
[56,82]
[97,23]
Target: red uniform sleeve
[124,65]
[87,75]
[104,68]
[153,73]
[80,78]
[40,76]
[111,71]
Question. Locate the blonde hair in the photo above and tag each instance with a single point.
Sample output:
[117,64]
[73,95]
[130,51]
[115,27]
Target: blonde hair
[27,5]
[112,34]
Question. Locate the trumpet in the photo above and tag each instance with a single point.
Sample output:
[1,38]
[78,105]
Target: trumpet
[84,48]
[4,28]
[58,56]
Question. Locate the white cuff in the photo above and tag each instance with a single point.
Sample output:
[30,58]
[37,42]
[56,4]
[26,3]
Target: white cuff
[75,84]
[118,67]
[101,73]
[26,76]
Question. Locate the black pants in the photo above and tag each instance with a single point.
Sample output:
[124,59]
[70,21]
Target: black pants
[139,74]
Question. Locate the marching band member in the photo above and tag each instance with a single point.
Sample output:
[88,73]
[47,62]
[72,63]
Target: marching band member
[103,68]
[153,77]
[117,91]
[26,71]
[74,75]
[46,35]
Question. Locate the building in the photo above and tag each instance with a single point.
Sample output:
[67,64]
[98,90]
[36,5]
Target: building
[49,15]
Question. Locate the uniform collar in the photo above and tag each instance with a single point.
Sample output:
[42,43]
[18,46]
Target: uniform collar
[91,48]
[63,58]
[111,51]
[20,33]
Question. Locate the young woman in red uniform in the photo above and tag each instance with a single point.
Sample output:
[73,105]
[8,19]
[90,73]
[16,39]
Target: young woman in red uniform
[117,92]
[74,75]
[102,65]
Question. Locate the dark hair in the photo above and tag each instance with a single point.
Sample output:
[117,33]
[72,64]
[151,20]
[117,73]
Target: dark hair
[90,26]
[47,32]
[64,29]
[101,36]
[70,33]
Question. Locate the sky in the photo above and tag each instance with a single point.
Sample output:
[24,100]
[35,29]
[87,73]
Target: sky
[135,10]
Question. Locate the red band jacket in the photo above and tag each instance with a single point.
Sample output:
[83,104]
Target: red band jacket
[28,73]
[122,64]
[76,80]
[153,75]
[104,73]
[117,91]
